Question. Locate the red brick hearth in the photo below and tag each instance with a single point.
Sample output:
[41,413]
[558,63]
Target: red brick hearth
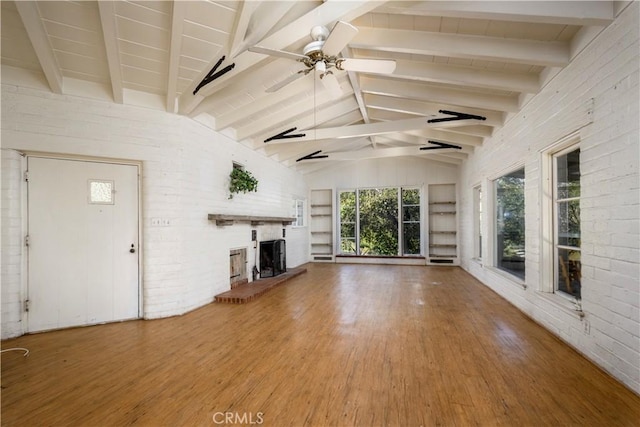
[249,291]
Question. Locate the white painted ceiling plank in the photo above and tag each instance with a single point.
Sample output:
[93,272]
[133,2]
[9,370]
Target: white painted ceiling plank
[411,106]
[109,31]
[40,41]
[467,76]
[542,12]
[463,46]
[342,110]
[324,14]
[177,22]
[424,92]
[366,129]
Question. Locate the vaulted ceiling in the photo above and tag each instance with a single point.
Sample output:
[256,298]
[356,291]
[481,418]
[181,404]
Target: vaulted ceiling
[485,59]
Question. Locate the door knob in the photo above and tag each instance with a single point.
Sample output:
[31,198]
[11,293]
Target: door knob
[133,249]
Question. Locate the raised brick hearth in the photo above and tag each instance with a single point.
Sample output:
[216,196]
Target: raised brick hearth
[250,291]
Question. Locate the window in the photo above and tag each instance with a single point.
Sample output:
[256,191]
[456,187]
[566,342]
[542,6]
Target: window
[348,215]
[566,204]
[380,221]
[477,222]
[410,221]
[298,213]
[509,223]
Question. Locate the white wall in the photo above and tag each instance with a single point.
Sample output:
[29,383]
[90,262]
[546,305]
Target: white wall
[384,172]
[185,169]
[597,96]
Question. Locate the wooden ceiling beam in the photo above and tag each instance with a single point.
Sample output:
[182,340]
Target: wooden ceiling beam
[425,92]
[30,15]
[177,21]
[423,108]
[541,12]
[467,76]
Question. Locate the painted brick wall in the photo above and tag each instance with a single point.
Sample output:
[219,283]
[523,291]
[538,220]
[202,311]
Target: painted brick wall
[12,242]
[596,95]
[184,177]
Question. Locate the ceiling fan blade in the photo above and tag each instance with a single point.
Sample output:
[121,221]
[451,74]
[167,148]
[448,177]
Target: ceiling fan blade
[279,53]
[341,34]
[328,80]
[292,78]
[376,66]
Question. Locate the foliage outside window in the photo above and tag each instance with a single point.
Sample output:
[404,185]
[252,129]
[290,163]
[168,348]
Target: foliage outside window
[509,225]
[567,222]
[241,181]
[380,221]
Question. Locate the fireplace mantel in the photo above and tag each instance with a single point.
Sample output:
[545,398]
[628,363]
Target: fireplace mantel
[228,219]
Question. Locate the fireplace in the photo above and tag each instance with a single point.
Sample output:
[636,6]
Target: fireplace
[273,258]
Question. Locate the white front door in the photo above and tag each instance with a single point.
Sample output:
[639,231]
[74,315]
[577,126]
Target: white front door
[83,243]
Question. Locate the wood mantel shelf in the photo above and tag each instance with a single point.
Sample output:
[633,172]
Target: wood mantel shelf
[227,219]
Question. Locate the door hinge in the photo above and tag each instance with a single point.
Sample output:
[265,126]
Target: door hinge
[26,305]
[26,176]
[26,240]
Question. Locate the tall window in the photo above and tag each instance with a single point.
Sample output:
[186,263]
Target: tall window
[380,221]
[411,221]
[509,225]
[348,215]
[567,221]
[298,213]
[477,222]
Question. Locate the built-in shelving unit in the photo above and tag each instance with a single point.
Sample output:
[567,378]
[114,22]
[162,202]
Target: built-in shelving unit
[321,227]
[443,224]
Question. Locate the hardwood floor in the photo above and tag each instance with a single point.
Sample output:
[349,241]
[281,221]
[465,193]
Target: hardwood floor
[341,345]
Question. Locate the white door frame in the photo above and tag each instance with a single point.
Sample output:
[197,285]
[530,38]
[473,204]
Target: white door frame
[25,218]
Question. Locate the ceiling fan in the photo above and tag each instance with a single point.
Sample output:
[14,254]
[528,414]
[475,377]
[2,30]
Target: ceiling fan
[321,55]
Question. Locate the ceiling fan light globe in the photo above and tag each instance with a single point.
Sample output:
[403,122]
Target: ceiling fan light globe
[319,33]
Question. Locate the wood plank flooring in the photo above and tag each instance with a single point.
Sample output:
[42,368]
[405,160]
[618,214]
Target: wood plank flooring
[342,345]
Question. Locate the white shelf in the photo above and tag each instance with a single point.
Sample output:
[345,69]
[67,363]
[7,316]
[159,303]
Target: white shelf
[321,226]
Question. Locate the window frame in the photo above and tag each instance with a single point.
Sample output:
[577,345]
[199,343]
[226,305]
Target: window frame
[400,207]
[299,213]
[477,221]
[548,252]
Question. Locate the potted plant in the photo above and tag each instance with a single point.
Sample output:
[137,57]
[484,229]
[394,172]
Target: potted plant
[241,181]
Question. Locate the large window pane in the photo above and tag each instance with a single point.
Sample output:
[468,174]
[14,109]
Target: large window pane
[411,239]
[567,223]
[378,221]
[568,175]
[510,247]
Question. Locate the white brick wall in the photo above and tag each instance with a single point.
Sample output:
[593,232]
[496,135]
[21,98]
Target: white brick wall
[185,169]
[12,243]
[605,76]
